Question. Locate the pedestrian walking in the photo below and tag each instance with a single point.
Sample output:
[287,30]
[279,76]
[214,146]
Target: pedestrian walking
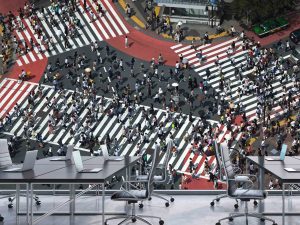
[126,42]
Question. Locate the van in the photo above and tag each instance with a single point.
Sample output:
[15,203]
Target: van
[295,56]
[295,36]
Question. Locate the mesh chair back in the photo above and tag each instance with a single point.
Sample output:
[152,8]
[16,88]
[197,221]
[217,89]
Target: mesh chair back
[228,168]
[155,161]
[5,159]
[166,159]
[219,160]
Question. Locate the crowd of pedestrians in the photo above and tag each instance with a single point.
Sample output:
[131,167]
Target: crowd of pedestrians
[152,82]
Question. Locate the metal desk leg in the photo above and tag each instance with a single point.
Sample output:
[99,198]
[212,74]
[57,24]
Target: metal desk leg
[261,183]
[283,203]
[103,199]
[31,203]
[27,203]
[72,201]
[17,199]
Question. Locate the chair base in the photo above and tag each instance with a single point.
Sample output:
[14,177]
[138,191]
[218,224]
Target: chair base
[167,201]
[133,217]
[218,197]
[256,215]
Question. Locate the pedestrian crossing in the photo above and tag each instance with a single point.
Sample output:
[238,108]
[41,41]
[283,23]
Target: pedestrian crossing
[105,124]
[89,29]
[229,63]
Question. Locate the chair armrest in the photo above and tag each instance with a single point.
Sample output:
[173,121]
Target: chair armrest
[242,178]
[131,182]
[248,175]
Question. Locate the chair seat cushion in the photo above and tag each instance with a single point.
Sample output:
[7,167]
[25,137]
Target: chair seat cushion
[249,194]
[125,196]
[145,177]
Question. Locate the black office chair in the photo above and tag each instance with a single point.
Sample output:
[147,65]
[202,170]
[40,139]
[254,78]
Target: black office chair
[160,179]
[135,194]
[236,168]
[239,187]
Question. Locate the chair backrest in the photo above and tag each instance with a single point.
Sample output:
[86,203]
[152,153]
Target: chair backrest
[219,161]
[155,161]
[228,169]
[164,167]
[5,159]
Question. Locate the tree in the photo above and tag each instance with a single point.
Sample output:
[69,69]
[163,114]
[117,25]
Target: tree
[258,10]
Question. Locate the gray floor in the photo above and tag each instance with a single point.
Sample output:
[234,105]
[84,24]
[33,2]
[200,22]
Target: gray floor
[187,209]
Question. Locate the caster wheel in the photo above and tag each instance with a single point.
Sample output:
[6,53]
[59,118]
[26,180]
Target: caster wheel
[149,199]
[230,219]
[172,199]
[212,204]
[262,219]
[161,222]
[255,203]
[10,206]
[1,218]
[167,204]
[133,220]
[38,202]
[141,206]
[236,206]
[274,223]
[10,199]
[218,223]
[105,223]
[217,199]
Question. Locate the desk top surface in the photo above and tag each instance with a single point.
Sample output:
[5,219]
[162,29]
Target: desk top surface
[277,167]
[64,171]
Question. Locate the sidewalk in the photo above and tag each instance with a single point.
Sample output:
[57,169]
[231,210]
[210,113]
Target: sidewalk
[138,20]
[11,5]
[198,30]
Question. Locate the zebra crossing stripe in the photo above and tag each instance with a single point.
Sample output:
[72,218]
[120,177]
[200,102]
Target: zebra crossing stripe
[101,30]
[92,4]
[116,16]
[87,13]
[32,33]
[184,150]
[29,52]
[50,34]
[104,126]
[176,46]
[8,100]
[178,136]
[10,83]
[86,29]
[183,48]
[201,68]
[28,36]
[220,45]
[107,26]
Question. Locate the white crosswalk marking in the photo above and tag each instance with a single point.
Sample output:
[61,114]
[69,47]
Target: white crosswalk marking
[103,19]
[229,63]
[116,16]
[109,25]
[35,37]
[100,128]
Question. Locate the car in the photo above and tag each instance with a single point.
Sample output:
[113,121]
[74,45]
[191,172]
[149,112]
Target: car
[295,56]
[295,36]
